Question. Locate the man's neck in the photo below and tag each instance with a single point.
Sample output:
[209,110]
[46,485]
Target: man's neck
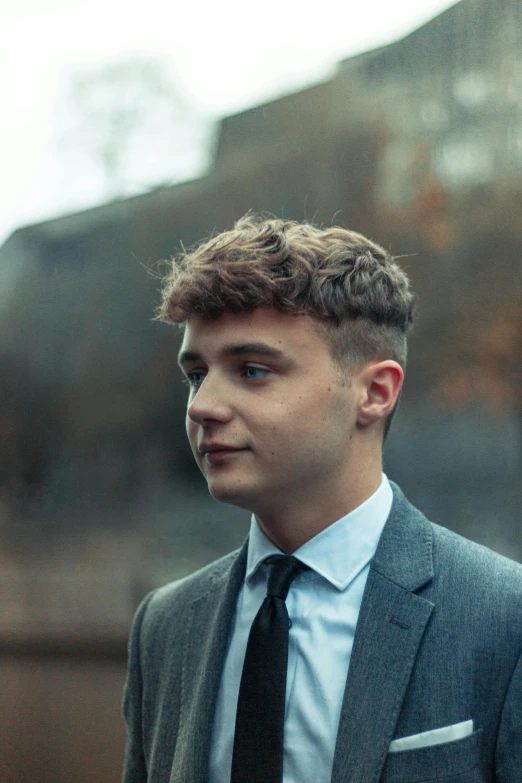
[299,521]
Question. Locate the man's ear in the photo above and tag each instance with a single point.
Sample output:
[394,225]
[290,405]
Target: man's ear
[380,384]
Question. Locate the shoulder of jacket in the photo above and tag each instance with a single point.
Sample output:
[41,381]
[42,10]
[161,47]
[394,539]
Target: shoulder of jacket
[473,561]
[175,596]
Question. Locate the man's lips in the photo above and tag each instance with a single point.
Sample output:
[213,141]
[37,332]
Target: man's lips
[205,448]
[215,455]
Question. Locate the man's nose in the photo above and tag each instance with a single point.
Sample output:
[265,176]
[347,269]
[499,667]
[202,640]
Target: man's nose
[211,401]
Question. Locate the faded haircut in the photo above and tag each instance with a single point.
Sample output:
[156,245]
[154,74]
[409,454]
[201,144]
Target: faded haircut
[357,294]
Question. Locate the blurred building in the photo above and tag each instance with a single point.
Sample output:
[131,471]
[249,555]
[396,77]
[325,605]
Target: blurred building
[418,145]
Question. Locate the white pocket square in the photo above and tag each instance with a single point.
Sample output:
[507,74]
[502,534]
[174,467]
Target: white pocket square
[434,737]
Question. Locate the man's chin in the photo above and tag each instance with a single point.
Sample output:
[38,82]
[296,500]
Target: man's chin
[234,496]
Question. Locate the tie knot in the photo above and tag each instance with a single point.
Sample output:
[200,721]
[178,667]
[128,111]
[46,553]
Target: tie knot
[282,570]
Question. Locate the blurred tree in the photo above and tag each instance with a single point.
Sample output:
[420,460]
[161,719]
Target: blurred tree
[481,362]
[488,369]
[130,121]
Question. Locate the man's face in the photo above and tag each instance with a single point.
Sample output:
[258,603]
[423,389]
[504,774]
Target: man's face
[263,383]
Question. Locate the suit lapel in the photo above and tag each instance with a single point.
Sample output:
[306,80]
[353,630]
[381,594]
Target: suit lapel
[389,630]
[206,638]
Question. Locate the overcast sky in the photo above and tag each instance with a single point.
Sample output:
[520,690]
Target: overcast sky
[226,55]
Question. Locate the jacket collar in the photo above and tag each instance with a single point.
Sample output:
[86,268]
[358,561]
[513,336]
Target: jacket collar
[404,554]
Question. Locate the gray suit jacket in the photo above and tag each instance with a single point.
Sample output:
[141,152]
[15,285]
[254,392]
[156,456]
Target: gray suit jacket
[438,641]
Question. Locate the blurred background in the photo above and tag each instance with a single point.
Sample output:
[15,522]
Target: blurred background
[128,132]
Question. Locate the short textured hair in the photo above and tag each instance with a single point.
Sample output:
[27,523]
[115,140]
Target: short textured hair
[355,291]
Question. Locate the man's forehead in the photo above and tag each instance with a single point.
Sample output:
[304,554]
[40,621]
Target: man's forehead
[267,319]
[270,333]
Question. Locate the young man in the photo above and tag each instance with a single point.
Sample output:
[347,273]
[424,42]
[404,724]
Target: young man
[349,639]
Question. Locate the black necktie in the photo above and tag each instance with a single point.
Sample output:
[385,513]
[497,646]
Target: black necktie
[258,740]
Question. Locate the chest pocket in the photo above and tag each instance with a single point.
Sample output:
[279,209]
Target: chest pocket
[457,761]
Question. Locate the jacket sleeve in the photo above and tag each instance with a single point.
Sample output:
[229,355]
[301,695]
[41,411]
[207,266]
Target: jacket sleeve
[134,769]
[508,757]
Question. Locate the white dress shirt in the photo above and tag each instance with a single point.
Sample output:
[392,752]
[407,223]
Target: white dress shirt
[323,605]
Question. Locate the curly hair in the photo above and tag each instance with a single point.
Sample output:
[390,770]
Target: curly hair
[357,294]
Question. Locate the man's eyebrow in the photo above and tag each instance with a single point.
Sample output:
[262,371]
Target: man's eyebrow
[235,349]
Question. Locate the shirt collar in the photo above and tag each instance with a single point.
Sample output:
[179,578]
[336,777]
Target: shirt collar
[340,551]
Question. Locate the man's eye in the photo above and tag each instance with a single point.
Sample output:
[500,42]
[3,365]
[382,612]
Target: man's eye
[248,370]
[193,379]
